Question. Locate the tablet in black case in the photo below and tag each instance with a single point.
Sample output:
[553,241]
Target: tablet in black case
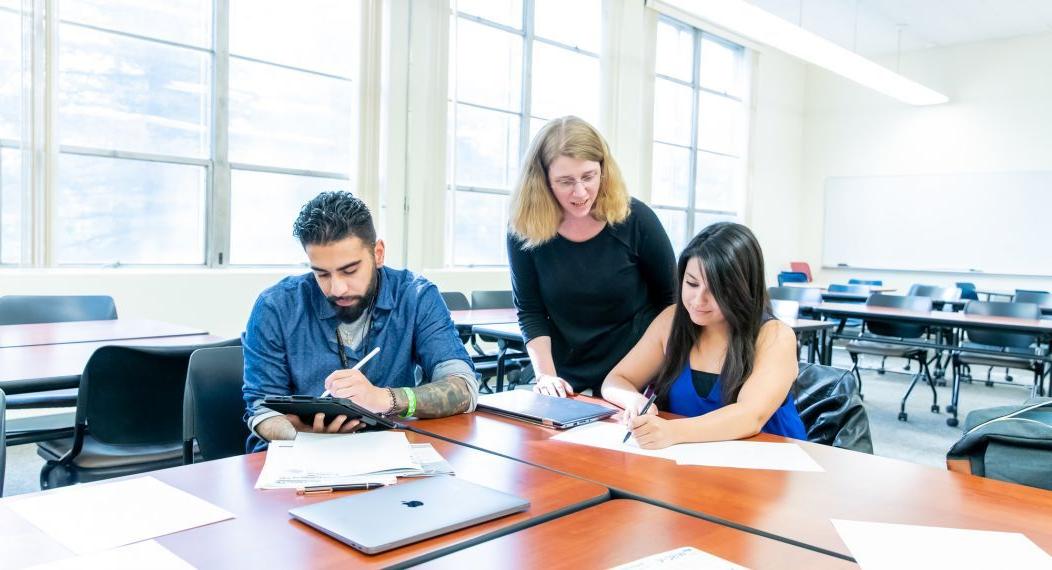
[307,406]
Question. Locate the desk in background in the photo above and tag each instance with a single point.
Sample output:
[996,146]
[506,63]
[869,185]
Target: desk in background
[89,331]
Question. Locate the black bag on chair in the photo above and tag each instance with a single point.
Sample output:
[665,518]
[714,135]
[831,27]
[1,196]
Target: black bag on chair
[1009,443]
[828,401]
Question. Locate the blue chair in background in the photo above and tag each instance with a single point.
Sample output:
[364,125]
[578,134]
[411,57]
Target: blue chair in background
[791,277]
[968,291]
[853,288]
[877,282]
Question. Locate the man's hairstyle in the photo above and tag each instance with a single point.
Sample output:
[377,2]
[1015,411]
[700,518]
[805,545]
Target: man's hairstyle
[333,216]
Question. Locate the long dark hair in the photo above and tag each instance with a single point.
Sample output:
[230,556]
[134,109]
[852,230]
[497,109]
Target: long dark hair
[733,264]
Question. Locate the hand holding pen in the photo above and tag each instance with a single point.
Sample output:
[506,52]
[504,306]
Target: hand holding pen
[642,412]
[357,366]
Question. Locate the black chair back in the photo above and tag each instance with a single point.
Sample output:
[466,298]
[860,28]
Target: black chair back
[1000,309]
[897,328]
[3,440]
[935,292]
[492,300]
[1040,298]
[854,289]
[456,301]
[213,406]
[802,295]
[31,309]
[831,408]
[134,394]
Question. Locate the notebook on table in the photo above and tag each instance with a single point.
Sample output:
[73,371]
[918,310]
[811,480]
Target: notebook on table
[386,518]
[559,413]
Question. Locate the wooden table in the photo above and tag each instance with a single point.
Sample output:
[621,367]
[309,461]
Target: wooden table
[58,366]
[620,531]
[796,506]
[263,535]
[89,331]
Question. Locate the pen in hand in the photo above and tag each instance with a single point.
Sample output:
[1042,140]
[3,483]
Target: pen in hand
[361,363]
[646,407]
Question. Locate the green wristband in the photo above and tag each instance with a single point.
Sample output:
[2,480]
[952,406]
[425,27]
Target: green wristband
[412,403]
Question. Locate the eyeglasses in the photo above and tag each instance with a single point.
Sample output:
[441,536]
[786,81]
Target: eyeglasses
[568,183]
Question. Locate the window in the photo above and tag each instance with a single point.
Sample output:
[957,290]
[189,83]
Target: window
[698,164]
[173,152]
[541,61]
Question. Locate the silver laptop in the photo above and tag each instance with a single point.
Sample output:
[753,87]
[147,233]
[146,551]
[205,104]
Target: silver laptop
[559,413]
[402,514]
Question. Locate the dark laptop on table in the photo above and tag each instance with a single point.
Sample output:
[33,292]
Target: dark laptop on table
[559,413]
[375,521]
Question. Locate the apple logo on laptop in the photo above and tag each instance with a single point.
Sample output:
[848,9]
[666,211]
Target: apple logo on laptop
[412,504]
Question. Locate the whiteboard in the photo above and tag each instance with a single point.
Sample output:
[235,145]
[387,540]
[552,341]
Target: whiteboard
[966,223]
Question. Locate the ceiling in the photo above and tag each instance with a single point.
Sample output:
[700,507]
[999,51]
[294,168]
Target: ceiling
[871,27]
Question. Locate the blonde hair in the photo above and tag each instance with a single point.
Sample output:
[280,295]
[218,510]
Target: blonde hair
[535,213]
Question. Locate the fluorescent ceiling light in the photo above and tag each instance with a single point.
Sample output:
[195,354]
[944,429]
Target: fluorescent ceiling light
[742,18]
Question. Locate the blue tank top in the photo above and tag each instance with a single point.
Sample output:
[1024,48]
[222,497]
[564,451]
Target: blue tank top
[684,399]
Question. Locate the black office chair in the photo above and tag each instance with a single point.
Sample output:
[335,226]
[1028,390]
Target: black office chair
[1042,299]
[853,288]
[129,416]
[3,440]
[828,401]
[456,301]
[484,363]
[1017,347]
[492,300]
[898,331]
[213,405]
[803,295]
[935,292]
[31,309]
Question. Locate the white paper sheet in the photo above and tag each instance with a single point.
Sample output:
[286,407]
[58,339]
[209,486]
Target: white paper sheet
[741,454]
[877,546]
[280,471]
[746,455]
[353,453]
[685,558]
[147,554]
[95,517]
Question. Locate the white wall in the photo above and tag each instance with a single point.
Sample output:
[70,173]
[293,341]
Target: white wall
[999,119]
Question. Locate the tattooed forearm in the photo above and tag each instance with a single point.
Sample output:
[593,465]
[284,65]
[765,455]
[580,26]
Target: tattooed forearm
[441,398]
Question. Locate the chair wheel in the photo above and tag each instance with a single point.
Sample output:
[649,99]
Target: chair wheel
[880,371]
[1008,378]
[989,384]
[951,409]
[902,416]
[934,408]
[952,422]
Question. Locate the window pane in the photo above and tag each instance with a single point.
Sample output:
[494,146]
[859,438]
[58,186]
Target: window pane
[320,35]
[717,186]
[180,21]
[576,23]
[671,184]
[564,83]
[507,12]
[721,66]
[479,226]
[536,125]
[489,66]
[675,51]
[281,117]
[126,94]
[10,205]
[719,123]
[672,112]
[129,211]
[675,223]
[703,219]
[10,75]
[263,207]
[487,148]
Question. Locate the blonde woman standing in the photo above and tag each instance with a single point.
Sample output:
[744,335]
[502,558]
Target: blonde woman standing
[590,266]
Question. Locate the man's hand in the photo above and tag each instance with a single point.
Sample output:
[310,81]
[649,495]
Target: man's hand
[354,386]
[286,427]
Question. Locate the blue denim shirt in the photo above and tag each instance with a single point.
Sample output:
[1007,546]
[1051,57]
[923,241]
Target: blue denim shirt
[290,341]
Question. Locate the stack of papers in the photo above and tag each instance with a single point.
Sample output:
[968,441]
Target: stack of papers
[96,517]
[739,454]
[341,459]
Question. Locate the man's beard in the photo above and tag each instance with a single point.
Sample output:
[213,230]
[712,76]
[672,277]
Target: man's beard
[364,302]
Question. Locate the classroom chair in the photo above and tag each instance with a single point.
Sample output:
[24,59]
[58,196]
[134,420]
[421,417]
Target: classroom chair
[830,405]
[213,405]
[935,292]
[1008,443]
[802,295]
[493,300]
[1042,299]
[791,277]
[968,290]
[876,282]
[1015,346]
[895,331]
[801,267]
[129,416]
[853,288]
[455,301]
[3,440]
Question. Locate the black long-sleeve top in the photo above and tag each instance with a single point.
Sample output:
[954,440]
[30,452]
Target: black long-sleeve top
[594,298]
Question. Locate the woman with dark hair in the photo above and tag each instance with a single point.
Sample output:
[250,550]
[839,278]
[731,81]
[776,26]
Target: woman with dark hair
[718,356]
